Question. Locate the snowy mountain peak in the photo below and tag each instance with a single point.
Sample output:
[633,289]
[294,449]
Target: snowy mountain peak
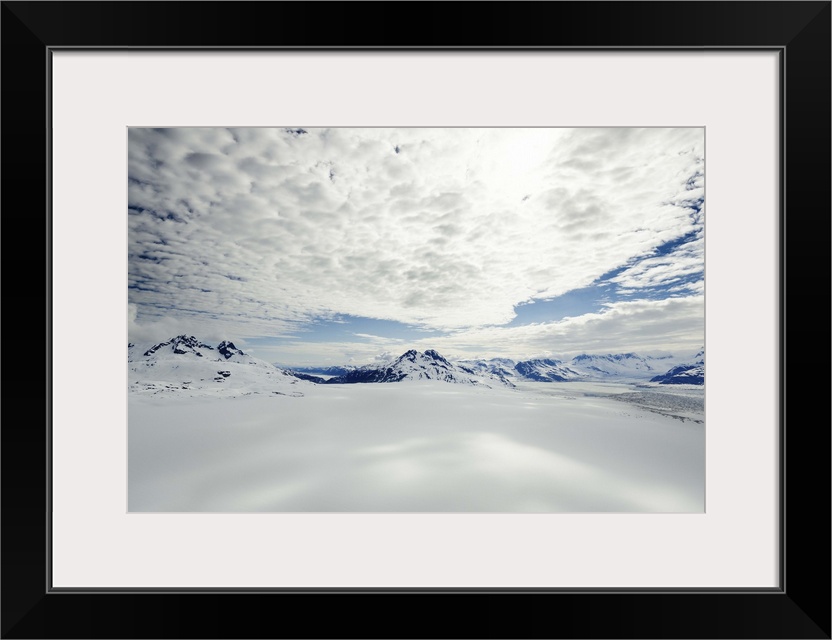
[180,345]
[427,358]
[227,349]
[415,365]
[430,353]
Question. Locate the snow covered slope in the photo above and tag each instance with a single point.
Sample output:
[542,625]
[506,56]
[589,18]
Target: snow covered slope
[502,368]
[418,446]
[546,370]
[610,367]
[620,366]
[687,373]
[186,366]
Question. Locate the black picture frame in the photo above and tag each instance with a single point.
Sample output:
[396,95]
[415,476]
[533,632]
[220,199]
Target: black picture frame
[799,608]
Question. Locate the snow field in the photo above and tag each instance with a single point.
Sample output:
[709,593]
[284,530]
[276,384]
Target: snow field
[413,446]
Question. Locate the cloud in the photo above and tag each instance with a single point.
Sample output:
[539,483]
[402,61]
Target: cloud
[261,230]
[677,267]
[671,325]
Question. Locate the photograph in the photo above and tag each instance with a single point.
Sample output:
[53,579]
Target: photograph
[416,320]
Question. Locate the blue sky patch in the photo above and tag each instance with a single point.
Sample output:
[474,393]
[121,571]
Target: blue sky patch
[347,328]
[571,304]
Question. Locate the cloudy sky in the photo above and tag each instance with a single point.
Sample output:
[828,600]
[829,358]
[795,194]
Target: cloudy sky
[328,246]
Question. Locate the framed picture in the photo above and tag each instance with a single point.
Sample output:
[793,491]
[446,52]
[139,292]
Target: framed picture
[380,278]
[94,518]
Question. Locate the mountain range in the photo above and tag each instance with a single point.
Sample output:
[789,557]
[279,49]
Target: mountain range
[621,367]
[184,363]
[411,365]
[618,367]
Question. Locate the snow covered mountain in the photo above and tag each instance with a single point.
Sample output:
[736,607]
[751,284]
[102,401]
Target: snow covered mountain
[546,370]
[688,373]
[611,367]
[180,345]
[502,368]
[538,369]
[414,365]
[228,351]
[186,365]
[619,366]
